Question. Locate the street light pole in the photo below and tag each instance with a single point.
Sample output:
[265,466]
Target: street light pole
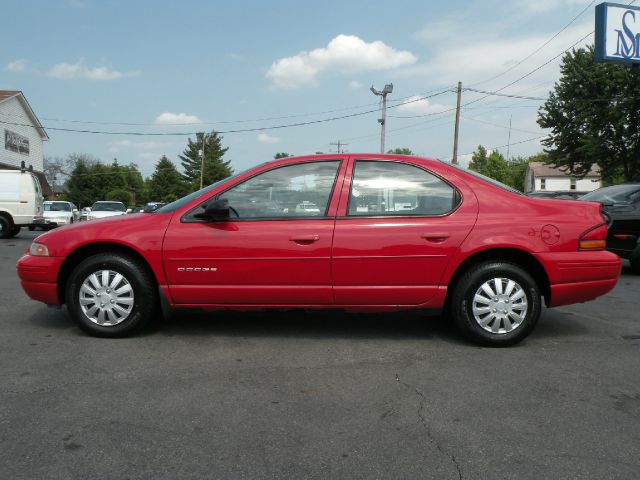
[388,88]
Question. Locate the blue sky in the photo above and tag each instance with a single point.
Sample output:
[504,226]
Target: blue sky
[194,65]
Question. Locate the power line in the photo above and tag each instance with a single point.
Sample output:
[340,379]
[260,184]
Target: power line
[242,130]
[540,47]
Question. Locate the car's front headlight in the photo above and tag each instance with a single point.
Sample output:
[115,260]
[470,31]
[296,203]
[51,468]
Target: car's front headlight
[38,250]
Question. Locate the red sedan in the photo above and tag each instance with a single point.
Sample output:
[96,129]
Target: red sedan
[357,232]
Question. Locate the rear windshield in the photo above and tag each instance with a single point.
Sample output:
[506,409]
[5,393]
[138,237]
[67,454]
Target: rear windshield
[108,207]
[57,207]
[486,179]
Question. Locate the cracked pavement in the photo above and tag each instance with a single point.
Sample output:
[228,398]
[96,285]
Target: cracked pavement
[318,395]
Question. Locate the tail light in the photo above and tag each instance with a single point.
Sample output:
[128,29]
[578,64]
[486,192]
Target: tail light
[594,239]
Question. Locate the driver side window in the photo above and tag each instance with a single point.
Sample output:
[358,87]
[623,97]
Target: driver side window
[300,190]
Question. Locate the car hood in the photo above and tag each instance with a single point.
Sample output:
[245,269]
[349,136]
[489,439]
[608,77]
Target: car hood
[140,231]
[50,214]
[104,214]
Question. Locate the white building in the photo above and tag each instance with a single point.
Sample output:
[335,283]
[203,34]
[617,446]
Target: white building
[21,136]
[541,177]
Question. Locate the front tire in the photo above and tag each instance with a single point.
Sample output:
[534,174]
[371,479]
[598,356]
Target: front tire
[496,304]
[111,295]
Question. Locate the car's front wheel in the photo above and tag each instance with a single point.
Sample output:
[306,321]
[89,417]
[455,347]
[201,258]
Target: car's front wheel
[496,304]
[111,295]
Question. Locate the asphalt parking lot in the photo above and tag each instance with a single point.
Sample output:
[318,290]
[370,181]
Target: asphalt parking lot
[318,395]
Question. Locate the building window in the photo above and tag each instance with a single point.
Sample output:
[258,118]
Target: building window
[573,184]
[543,184]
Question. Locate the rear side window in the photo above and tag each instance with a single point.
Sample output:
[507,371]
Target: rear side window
[36,183]
[394,188]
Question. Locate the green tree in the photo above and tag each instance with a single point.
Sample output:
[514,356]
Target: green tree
[479,160]
[119,195]
[280,155]
[492,165]
[401,151]
[80,188]
[215,167]
[166,182]
[594,116]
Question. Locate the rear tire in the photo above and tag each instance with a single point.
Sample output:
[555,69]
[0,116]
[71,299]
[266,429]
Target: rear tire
[496,304]
[111,295]
[15,231]
[6,227]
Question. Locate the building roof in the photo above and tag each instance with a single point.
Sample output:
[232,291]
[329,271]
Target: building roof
[541,169]
[7,94]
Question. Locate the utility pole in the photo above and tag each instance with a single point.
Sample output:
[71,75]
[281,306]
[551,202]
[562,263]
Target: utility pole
[388,88]
[339,144]
[202,160]
[509,137]
[454,159]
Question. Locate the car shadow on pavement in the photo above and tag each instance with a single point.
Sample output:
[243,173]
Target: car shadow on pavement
[308,324]
[314,324]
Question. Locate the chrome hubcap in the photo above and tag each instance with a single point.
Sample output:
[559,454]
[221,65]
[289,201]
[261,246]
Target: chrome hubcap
[499,305]
[106,298]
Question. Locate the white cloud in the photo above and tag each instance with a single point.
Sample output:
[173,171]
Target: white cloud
[488,53]
[264,138]
[418,105]
[17,66]
[355,84]
[80,70]
[344,53]
[168,118]
[235,56]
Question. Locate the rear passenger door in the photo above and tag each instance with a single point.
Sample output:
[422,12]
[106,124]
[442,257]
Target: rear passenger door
[397,227]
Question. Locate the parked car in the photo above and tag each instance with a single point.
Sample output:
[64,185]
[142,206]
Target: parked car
[308,207]
[104,209]
[57,213]
[622,204]
[560,194]
[20,201]
[486,253]
[152,206]
[84,214]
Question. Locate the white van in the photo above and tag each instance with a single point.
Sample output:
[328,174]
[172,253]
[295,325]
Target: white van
[21,202]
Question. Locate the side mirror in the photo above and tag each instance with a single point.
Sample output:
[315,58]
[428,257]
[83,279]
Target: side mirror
[75,210]
[216,210]
[129,210]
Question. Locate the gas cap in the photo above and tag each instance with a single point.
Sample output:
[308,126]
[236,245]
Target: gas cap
[550,234]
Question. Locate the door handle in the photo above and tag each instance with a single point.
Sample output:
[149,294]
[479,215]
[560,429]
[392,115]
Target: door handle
[305,238]
[436,237]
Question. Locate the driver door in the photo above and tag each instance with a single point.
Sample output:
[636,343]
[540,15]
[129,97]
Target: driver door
[275,248]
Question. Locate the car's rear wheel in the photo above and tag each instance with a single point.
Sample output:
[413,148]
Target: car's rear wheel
[15,231]
[496,304]
[111,295]
[6,227]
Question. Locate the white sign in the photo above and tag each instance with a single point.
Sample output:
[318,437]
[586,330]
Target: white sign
[617,33]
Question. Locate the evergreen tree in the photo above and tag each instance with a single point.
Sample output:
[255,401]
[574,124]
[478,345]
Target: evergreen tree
[280,155]
[166,183]
[79,188]
[215,167]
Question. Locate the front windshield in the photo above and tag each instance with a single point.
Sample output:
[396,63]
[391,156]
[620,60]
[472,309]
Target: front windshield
[108,207]
[614,194]
[57,207]
[173,206]
[485,178]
